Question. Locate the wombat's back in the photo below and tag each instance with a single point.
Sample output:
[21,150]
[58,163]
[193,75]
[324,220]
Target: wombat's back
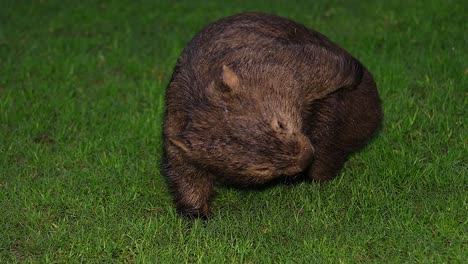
[262,47]
[251,33]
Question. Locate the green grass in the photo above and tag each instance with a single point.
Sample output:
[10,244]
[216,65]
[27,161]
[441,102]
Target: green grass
[81,101]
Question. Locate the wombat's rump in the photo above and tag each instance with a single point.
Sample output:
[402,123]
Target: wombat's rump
[254,97]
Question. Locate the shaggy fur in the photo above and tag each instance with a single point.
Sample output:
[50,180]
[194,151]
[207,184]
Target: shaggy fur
[254,97]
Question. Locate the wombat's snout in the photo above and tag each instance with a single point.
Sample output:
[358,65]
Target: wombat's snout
[306,155]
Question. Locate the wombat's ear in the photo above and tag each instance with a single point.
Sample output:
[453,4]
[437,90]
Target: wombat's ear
[179,143]
[226,85]
[229,78]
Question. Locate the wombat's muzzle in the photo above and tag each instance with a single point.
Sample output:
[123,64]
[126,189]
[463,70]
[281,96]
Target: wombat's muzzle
[305,156]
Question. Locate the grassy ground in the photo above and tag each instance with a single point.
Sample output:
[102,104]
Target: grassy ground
[81,97]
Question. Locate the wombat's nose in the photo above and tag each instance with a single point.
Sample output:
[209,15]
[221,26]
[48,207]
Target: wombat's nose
[305,156]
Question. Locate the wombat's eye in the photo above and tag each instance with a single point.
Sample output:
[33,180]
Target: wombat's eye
[262,169]
[278,125]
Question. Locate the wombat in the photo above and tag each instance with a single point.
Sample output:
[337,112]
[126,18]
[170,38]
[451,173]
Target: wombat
[254,97]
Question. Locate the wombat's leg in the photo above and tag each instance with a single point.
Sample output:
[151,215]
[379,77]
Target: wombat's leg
[192,192]
[327,163]
[191,188]
[344,122]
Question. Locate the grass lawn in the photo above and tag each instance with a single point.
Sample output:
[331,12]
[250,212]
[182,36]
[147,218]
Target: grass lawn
[81,102]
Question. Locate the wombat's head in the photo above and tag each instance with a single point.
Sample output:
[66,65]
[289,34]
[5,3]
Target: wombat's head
[241,131]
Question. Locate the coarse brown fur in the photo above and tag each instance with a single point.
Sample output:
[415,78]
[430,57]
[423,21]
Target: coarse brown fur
[254,97]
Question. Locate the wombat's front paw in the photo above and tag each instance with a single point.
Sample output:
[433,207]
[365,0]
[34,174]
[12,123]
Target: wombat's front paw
[193,213]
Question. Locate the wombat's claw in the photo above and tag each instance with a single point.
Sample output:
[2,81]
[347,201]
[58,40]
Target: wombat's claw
[192,213]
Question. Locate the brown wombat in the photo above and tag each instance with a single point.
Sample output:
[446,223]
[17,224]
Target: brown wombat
[254,97]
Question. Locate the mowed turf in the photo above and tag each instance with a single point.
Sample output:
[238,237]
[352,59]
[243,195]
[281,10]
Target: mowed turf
[81,102]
